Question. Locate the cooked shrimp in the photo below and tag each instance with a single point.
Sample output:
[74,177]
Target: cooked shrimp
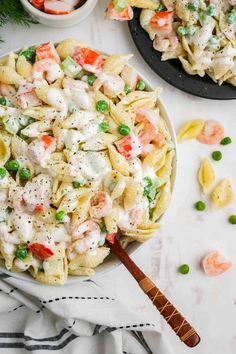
[135,216]
[214,264]
[112,84]
[48,68]
[26,96]
[212,133]
[100,205]
[166,43]
[85,237]
[150,128]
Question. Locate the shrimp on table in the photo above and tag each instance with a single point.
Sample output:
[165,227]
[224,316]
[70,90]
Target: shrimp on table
[85,237]
[46,68]
[112,84]
[150,128]
[213,264]
[212,133]
[100,205]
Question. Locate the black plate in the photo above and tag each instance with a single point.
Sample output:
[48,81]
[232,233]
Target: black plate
[172,70]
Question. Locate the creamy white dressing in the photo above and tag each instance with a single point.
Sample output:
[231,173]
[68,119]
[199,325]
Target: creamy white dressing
[56,99]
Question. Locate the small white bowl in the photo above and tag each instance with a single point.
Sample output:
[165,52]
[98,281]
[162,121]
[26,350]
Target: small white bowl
[60,20]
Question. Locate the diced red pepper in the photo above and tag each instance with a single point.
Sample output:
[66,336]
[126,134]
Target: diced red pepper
[113,14]
[111,237]
[39,209]
[40,251]
[124,146]
[38,4]
[56,7]
[48,140]
[47,51]
[162,21]
[88,59]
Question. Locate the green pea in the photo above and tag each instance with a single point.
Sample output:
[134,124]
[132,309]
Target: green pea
[192,6]
[160,8]
[232,219]
[76,184]
[102,106]
[191,30]
[231,17]
[127,89]
[226,141]
[184,269]
[24,174]
[210,10]
[214,39]
[216,155]
[12,165]
[141,85]
[182,31]
[124,129]
[200,206]
[29,54]
[60,215]
[91,79]
[2,172]
[22,253]
[4,101]
[104,127]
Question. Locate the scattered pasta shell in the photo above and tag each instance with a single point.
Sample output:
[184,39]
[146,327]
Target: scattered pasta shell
[191,130]
[206,175]
[223,194]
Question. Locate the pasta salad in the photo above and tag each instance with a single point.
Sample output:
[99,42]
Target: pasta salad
[84,151]
[200,33]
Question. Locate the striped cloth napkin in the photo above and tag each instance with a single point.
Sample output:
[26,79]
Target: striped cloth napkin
[78,318]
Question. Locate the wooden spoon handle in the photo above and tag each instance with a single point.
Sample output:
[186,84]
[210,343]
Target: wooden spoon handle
[178,323]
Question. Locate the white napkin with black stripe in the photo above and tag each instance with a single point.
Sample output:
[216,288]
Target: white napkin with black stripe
[78,318]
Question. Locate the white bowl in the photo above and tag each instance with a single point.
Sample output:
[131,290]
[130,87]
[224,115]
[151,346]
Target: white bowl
[60,20]
[111,262]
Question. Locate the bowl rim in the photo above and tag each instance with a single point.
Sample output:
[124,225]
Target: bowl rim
[135,246]
[74,13]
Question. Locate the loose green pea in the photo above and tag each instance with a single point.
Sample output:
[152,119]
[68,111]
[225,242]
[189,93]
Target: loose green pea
[102,106]
[231,17]
[76,184]
[216,155]
[232,219]
[60,215]
[22,253]
[91,79]
[2,172]
[12,165]
[226,141]
[127,89]
[210,10]
[141,85]
[200,206]
[24,174]
[124,129]
[4,101]
[104,127]
[184,269]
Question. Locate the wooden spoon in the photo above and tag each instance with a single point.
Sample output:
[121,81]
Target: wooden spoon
[182,328]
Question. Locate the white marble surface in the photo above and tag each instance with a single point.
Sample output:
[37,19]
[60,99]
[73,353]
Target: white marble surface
[209,303]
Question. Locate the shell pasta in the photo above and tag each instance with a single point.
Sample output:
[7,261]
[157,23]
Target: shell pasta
[84,152]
